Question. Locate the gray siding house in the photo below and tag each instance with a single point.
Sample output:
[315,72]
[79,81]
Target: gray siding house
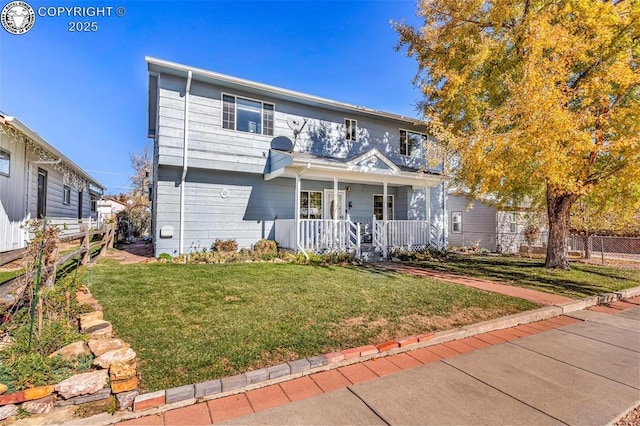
[236,159]
[36,180]
[481,224]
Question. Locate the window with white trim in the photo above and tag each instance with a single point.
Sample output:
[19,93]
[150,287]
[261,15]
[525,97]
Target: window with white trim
[378,206]
[456,222]
[310,205]
[247,115]
[513,224]
[5,163]
[411,143]
[351,129]
[66,195]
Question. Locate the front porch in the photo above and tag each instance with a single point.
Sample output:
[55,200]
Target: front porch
[358,237]
[353,204]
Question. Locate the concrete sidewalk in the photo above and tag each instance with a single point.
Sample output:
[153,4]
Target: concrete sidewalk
[584,373]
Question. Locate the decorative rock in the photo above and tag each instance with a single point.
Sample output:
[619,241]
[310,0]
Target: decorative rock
[100,346]
[122,355]
[87,318]
[125,399]
[101,394]
[118,386]
[8,411]
[37,393]
[91,323]
[39,406]
[71,351]
[12,398]
[3,388]
[82,384]
[100,330]
[85,298]
[122,370]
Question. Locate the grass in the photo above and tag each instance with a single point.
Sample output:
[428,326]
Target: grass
[190,323]
[7,275]
[581,281]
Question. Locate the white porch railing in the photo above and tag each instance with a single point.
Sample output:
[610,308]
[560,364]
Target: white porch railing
[13,235]
[318,235]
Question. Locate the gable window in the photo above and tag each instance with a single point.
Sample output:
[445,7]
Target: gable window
[411,142]
[66,195]
[5,162]
[456,222]
[378,206]
[310,205]
[512,222]
[247,115]
[351,129]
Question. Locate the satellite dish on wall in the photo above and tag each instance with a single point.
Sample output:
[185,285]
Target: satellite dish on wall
[282,143]
[296,125]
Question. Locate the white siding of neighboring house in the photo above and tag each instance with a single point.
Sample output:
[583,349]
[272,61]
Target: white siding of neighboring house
[478,223]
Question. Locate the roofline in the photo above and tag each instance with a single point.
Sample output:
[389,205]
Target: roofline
[19,125]
[158,65]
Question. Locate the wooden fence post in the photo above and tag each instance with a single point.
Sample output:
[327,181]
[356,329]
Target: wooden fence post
[112,233]
[105,241]
[86,256]
[51,277]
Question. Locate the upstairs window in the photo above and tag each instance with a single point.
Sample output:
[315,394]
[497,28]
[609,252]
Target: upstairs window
[66,195]
[456,222]
[411,142]
[351,129]
[247,115]
[5,162]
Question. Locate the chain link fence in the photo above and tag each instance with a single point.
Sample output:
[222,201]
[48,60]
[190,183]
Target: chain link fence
[606,247]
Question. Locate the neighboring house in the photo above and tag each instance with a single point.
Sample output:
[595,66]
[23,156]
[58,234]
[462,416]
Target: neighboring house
[108,208]
[236,159]
[36,180]
[481,224]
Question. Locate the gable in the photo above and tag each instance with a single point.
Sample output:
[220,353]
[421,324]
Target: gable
[373,161]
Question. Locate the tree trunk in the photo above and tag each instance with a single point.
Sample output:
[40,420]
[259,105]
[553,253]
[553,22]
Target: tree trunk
[587,246]
[558,208]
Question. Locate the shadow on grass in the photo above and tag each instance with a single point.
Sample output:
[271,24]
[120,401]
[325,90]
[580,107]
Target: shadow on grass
[581,280]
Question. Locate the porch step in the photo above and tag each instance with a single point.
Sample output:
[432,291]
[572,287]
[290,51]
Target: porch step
[370,256]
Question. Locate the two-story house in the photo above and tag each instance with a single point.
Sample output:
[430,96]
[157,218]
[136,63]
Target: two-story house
[237,159]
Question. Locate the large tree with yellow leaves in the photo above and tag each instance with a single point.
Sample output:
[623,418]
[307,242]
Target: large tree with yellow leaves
[536,99]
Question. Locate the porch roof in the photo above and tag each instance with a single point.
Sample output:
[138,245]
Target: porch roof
[371,167]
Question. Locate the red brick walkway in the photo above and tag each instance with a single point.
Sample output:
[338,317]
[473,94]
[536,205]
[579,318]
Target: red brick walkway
[233,406]
[534,296]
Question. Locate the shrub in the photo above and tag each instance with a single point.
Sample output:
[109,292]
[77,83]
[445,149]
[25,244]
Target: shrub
[265,249]
[227,246]
[166,257]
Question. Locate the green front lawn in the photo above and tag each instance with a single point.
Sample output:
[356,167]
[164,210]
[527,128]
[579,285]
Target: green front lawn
[190,323]
[581,281]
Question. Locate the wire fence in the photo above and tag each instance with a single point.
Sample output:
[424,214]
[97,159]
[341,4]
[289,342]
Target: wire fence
[607,247]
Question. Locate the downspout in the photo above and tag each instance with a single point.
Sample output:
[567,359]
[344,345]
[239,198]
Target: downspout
[297,212]
[184,158]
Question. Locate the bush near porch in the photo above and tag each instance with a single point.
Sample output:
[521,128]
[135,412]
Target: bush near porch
[191,323]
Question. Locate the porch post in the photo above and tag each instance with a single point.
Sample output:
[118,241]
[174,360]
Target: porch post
[296,231]
[427,197]
[335,211]
[385,217]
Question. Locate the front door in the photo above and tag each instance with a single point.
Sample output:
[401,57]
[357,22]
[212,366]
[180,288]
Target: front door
[328,205]
[41,201]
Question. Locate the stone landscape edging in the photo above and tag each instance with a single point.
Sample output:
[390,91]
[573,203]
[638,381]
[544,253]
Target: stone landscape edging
[422,341]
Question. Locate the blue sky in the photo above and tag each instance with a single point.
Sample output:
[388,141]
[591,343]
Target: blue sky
[86,93]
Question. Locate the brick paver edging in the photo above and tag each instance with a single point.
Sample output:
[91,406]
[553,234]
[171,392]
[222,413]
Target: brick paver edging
[182,396]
